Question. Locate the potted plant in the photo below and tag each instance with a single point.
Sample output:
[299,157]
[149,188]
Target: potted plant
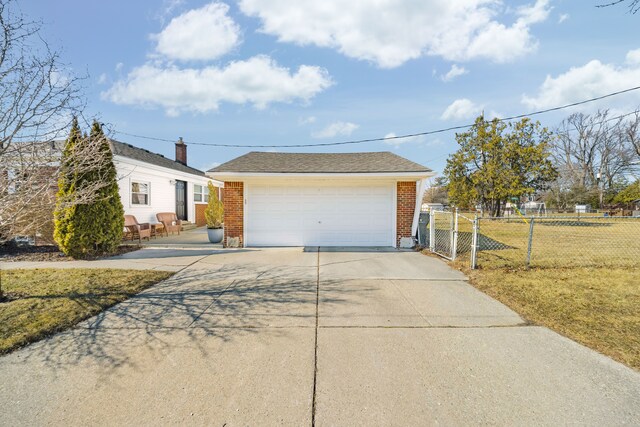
[214,213]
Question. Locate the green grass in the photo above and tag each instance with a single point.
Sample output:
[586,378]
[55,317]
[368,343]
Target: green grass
[50,300]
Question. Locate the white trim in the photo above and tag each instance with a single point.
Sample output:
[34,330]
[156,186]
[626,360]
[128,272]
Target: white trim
[245,210]
[238,175]
[394,218]
[420,187]
[139,181]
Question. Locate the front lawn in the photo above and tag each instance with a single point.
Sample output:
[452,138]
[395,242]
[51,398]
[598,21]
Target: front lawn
[598,307]
[44,301]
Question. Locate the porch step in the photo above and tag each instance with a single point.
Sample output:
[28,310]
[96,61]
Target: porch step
[187,225]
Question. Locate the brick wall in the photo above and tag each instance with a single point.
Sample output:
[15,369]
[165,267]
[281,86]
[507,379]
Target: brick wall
[233,200]
[406,193]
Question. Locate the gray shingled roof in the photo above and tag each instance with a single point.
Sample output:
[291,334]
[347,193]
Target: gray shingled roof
[377,162]
[136,153]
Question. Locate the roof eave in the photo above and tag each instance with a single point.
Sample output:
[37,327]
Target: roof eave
[240,176]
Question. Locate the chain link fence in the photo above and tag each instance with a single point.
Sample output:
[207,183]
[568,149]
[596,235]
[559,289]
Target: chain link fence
[567,241]
[559,242]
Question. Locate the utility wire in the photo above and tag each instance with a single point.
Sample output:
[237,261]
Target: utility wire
[390,138]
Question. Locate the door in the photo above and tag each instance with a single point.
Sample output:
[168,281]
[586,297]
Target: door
[181,200]
[320,215]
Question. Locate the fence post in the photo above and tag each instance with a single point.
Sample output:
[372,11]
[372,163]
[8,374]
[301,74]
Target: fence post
[474,243]
[454,236]
[528,263]
[432,230]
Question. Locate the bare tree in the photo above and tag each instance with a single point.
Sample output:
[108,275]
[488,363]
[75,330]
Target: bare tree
[594,154]
[634,5]
[436,191]
[38,98]
[632,133]
[29,178]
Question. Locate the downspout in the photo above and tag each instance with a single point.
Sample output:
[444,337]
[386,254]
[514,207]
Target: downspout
[420,187]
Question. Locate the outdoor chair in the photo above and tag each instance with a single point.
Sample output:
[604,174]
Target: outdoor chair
[170,221]
[135,229]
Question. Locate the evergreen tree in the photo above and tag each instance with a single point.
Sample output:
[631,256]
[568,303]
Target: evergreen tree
[629,194]
[65,209]
[497,162]
[90,226]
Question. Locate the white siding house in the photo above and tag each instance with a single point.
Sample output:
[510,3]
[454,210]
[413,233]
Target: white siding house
[151,183]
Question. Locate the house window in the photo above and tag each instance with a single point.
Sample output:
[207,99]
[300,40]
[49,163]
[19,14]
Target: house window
[200,193]
[139,193]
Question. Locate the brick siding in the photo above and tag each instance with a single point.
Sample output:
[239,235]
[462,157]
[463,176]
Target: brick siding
[233,200]
[406,194]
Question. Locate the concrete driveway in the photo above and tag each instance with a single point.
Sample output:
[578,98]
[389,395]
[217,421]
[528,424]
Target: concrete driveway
[302,337]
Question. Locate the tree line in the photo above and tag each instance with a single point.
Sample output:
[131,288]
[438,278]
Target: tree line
[591,159]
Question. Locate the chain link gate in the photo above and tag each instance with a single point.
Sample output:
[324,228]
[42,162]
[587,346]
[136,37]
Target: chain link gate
[453,236]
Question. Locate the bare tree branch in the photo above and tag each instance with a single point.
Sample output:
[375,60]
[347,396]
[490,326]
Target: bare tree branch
[634,5]
[38,99]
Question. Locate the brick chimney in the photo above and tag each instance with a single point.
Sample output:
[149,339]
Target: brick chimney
[181,152]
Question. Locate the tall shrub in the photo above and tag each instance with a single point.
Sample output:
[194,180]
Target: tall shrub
[65,210]
[214,212]
[90,220]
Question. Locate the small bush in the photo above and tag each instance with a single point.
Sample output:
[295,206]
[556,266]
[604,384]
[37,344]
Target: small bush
[214,213]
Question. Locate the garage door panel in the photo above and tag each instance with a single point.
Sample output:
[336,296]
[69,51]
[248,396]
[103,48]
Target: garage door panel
[320,215]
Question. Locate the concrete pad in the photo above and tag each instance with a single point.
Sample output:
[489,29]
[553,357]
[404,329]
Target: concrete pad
[268,263]
[263,303]
[455,303]
[174,303]
[196,238]
[195,376]
[384,265]
[365,303]
[470,376]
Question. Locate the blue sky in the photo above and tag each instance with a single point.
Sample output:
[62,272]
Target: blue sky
[277,72]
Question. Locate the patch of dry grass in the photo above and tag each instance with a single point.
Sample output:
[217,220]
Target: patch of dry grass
[45,301]
[584,280]
[598,307]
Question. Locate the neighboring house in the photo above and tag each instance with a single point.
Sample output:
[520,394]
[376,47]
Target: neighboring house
[321,199]
[151,183]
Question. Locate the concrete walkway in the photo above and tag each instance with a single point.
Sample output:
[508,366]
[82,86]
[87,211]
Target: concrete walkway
[307,337]
[170,253]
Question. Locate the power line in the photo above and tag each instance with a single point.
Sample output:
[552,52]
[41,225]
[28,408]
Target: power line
[390,138]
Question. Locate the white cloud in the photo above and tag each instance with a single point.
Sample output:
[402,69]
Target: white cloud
[102,79]
[563,18]
[119,66]
[168,7]
[307,120]
[392,32]
[589,81]
[454,72]
[199,34]
[399,141]
[633,57]
[336,128]
[461,109]
[258,80]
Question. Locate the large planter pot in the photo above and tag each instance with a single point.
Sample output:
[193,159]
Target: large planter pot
[215,234]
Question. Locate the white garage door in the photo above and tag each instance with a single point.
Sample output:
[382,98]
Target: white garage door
[320,215]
